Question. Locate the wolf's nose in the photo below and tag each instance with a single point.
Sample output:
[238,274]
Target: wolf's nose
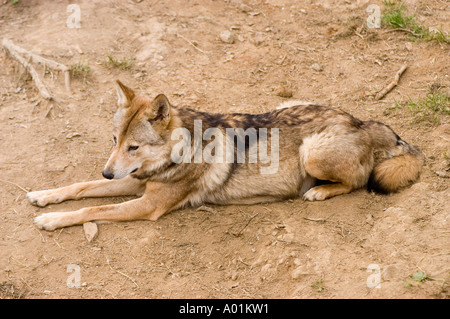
[108,174]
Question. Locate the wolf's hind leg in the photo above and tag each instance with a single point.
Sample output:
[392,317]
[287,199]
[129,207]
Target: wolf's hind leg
[99,188]
[345,160]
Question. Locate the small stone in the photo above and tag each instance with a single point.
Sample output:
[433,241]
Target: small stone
[72,135]
[90,231]
[245,8]
[441,174]
[369,219]
[267,268]
[227,37]
[316,67]
[284,92]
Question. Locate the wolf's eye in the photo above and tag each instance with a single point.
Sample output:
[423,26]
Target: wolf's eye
[114,140]
[132,148]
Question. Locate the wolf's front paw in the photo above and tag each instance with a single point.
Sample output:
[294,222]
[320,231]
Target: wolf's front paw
[43,198]
[314,194]
[51,221]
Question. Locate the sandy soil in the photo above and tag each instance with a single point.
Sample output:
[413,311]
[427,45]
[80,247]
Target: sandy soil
[295,249]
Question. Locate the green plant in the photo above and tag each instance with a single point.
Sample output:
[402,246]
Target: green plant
[318,285]
[80,70]
[124,64]
[395,16]
[407,284]
[397,105]
[420,276]
[431,107]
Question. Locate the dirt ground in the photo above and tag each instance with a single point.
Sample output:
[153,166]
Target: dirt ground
[322,51]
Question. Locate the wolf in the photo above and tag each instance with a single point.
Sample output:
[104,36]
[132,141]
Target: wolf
[321,152]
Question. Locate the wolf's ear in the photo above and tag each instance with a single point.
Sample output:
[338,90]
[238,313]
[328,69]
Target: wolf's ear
[124,95]
[159,111]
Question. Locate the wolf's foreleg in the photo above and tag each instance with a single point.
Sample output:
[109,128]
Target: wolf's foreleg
[157,200]
[99,188]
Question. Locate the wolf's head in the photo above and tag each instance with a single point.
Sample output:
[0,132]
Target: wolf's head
[141,134]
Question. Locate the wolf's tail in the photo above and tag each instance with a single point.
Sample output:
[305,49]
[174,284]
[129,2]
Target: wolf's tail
[397,163]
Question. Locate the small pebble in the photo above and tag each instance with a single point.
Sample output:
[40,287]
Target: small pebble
[90,231]
[284,92]
[227,37]
[316,67]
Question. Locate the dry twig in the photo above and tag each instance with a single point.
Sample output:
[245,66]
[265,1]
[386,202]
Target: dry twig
[391,85]
[12,183]
[121,273]
[190,42]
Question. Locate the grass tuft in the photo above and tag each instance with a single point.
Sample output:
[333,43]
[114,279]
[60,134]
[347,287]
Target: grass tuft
[124,64]
[318,285]
[395,16]
[431,107]
[80,70]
